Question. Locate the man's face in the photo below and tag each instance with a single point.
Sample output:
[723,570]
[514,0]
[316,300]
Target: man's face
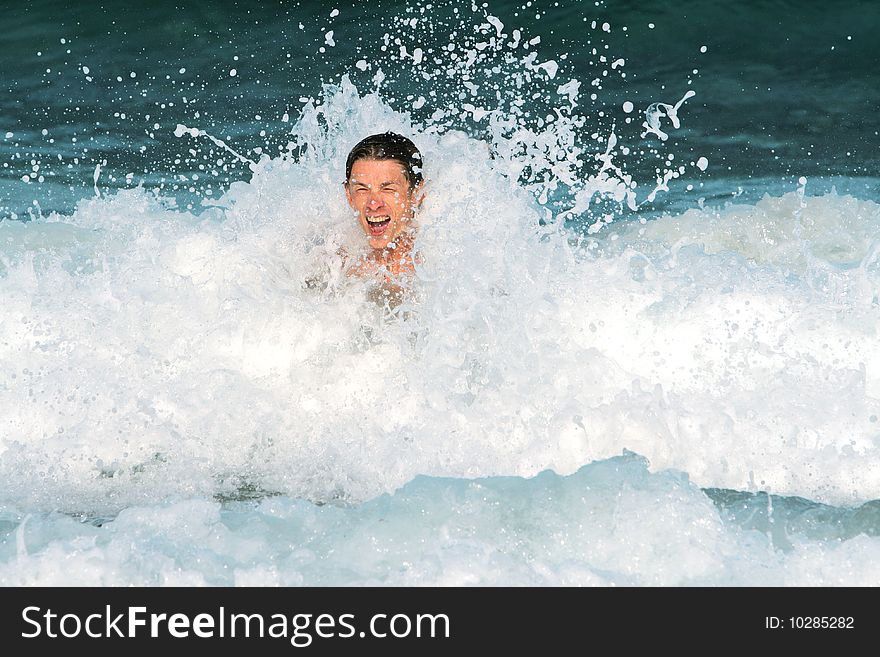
[379,192]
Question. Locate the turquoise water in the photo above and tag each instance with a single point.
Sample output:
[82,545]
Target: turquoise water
[627,360]
[784,89]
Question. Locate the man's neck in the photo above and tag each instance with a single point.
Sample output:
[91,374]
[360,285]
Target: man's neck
[395,259]
[400,246]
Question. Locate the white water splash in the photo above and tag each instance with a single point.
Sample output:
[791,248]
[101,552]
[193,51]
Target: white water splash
[655,112]
[181,130]
[95,177]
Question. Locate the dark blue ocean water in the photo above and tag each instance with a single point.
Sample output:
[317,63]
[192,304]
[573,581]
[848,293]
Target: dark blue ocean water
[783,89]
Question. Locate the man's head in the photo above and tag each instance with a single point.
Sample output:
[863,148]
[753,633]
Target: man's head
[383,184]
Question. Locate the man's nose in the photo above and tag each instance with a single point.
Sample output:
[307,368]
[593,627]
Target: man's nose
[374,202]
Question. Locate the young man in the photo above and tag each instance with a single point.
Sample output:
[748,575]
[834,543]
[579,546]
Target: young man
[384,185]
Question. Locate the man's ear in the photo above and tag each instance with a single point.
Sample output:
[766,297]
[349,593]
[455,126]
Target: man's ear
[348,195]
[418,195]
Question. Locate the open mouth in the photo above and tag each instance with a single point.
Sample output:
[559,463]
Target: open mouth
[377,225]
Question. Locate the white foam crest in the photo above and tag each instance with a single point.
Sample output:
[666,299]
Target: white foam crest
[791,231]
[155,354]
[610,524]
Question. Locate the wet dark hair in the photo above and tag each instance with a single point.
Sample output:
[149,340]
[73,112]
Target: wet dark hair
[388,146]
